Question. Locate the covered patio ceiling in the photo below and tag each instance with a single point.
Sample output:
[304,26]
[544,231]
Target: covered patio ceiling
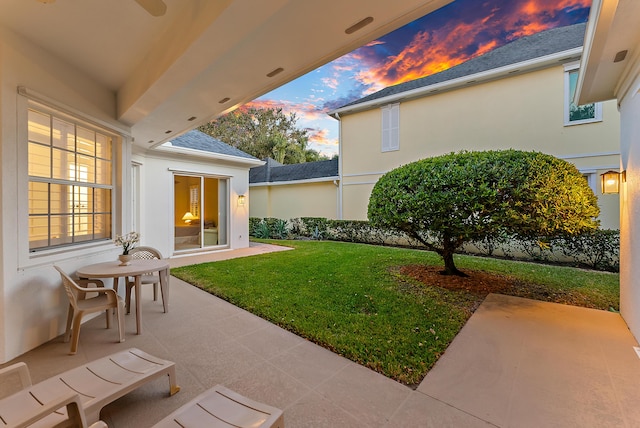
[201,58]
[612,38]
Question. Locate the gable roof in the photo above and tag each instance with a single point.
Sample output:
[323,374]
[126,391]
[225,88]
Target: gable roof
[543,44]
[197,140]
[273,171]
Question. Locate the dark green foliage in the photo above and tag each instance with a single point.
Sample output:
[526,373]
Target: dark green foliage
[359,231]
[311,223]
[253,223]
[317,234]
[311,227]
[274,228]
[446,201]
[350,230]
[271,223]
[582,112]
[261,230]
[280,229]
[535,249]
[598,249]
[490,243]
[264,133]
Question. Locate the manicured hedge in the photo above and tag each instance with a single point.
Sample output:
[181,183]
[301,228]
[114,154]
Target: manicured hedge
[599,249]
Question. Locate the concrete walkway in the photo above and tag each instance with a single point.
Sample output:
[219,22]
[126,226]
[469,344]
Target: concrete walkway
[524,363]
[516,363]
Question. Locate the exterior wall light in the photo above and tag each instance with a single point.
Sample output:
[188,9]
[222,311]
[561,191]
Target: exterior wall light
[241,199]
[611,181]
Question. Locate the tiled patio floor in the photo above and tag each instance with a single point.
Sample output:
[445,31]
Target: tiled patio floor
[517,363]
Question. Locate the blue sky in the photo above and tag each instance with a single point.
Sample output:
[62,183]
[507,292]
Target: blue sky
[449,36]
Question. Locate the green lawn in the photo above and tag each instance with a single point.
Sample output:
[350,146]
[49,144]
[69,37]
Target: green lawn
[351,299]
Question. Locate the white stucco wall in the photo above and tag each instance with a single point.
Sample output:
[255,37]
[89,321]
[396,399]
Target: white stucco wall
[156,198]
[630,211]
[33,307]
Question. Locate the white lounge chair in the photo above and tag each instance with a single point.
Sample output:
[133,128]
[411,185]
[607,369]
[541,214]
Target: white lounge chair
[220,407]
[97,384]
[22,410]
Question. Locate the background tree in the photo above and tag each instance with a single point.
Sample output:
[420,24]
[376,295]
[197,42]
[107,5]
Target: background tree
[264,133]
[448,200]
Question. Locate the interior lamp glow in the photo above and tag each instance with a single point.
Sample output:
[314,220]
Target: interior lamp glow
[188,217]
[241,199]
[610,182]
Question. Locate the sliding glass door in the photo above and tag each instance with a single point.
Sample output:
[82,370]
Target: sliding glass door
[201,207]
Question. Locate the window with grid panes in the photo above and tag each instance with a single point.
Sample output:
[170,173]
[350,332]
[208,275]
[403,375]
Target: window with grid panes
[70,181]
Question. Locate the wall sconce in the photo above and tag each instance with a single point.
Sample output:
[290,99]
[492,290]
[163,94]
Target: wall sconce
[188,217]
[241,199]
[611,181]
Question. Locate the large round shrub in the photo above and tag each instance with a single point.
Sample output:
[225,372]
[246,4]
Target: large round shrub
[448,200]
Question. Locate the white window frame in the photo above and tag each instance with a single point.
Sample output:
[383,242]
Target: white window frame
[224,208]
[390,127]
[79,121]
[568,69]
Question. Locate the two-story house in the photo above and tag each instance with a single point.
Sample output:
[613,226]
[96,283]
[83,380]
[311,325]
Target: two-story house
[517,96]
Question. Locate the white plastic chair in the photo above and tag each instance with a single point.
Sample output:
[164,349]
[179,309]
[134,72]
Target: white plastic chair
[144,253]
[79,305]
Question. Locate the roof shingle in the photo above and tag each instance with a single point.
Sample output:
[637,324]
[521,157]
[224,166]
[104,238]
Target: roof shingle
[273,171]
[198,140]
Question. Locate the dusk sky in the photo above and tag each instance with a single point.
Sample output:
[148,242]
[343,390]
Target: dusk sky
[449,36]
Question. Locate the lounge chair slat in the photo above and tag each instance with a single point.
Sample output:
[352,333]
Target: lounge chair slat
[138,362]
[224,408]
[103,381]
[196,416]
[112,373]
[20,406]
[232,412]
[45,390]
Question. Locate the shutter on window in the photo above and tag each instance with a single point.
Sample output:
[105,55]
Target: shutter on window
[394,128]
[391,127]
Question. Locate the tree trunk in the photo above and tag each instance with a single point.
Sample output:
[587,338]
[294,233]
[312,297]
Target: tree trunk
[449,265]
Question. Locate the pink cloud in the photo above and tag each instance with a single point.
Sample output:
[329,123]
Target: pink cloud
[375,43]
[457,41]
[331,82]
[304,111]
[320,141]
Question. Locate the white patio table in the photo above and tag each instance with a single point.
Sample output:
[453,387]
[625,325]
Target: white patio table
[136,269]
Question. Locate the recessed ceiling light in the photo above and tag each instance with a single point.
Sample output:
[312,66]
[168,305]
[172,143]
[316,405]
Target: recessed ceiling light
[359,25]
[620,56]
[168,132]
[46,1]
[150,141]
[224,100]
[192,118]
[276,71]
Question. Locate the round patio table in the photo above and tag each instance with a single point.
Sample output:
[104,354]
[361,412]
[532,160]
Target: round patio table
[136,269]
